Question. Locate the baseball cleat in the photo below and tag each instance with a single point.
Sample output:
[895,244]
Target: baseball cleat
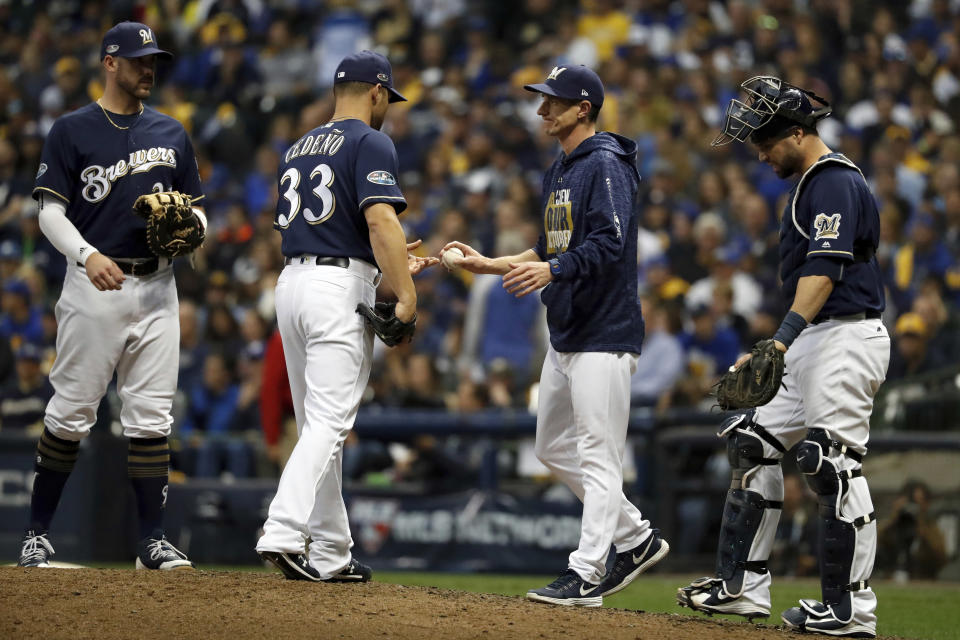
[159,554]
[568,590]
[708,595]
[813,616]
[630,564]
[294,566]
[353,572]
[36,551]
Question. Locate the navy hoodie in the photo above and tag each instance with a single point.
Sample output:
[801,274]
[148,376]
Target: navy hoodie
[590,227]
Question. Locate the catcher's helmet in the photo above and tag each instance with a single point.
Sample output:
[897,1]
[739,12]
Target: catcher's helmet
[774,106]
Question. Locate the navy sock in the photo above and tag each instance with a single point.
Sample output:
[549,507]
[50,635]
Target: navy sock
[148,463]
[54,462]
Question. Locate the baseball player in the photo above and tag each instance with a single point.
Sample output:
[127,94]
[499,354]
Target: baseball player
[836,352]
[337,214]
[585,260]
[118,308]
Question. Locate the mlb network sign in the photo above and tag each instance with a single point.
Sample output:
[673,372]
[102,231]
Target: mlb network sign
[483,530]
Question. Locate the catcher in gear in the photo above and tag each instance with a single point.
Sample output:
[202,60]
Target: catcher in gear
[173,227]
[835,354]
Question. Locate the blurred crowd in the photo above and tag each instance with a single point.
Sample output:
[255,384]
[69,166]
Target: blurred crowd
[249,77]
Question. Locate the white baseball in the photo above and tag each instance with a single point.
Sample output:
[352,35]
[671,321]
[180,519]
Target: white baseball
[451,258]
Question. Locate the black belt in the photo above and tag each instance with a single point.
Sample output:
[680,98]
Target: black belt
[863,315]
[144,268]
[328,261]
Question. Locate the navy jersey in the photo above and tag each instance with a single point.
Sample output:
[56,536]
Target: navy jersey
[99,170]
[326,180]
[831,227]
[590,228]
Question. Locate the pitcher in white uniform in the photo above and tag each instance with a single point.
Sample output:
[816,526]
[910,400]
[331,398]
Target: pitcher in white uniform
[337,213]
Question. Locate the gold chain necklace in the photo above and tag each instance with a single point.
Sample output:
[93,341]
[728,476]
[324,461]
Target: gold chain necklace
[107,116]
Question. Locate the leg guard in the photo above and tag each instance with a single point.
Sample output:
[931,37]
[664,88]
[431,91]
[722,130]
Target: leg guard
[750,516]
[842,543]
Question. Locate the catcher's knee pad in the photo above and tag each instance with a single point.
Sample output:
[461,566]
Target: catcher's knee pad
[839,533]
[745,447]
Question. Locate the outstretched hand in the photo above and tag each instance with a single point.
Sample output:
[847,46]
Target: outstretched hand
[472,260]
[416,264]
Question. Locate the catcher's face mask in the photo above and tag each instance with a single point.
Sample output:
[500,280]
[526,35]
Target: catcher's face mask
[767,97]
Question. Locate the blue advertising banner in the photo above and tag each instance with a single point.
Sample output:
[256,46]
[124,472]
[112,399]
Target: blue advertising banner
[469,531]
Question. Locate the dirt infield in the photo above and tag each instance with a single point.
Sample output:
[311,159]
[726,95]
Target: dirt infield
[108,604]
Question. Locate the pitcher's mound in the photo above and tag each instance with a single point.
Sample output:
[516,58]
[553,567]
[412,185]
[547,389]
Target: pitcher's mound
[111,604]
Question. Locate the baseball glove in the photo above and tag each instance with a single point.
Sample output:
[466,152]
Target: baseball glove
[388,327]
[173,229]
[756,381]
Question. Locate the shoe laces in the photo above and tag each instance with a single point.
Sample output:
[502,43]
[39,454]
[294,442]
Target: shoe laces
[566,579]
[160,547]
[36,548]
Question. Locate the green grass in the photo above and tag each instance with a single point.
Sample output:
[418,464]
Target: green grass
[924,611]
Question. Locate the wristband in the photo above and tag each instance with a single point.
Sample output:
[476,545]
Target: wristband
[790,328]
[554,267]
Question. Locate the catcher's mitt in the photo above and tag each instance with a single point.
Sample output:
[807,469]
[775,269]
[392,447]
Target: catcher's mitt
[388,327]
[173,229]
[756,381]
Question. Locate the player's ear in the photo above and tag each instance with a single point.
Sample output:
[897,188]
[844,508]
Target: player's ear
[584,111]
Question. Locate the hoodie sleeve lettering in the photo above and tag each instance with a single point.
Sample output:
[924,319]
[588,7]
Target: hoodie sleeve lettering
[607,205]
[834,215]
[58,164]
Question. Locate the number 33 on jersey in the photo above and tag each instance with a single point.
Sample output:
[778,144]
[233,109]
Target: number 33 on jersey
[326,180]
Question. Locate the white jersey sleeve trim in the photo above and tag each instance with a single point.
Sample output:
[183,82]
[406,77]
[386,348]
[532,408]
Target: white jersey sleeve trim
[61,232]
[840,159]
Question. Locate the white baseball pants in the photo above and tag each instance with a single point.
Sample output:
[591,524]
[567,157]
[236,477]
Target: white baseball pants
[328,353]
[833,371]
[584,407]
[135,331]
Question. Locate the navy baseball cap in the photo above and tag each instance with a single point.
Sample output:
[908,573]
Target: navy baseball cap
[131,40]
[573,82]
[369,67]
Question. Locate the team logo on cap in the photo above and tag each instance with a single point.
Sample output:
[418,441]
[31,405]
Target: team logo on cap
[382,77]
[556,72]
[146,35]
[381,177]
[113,48]
[584,93]
[341,74]
[43,169]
